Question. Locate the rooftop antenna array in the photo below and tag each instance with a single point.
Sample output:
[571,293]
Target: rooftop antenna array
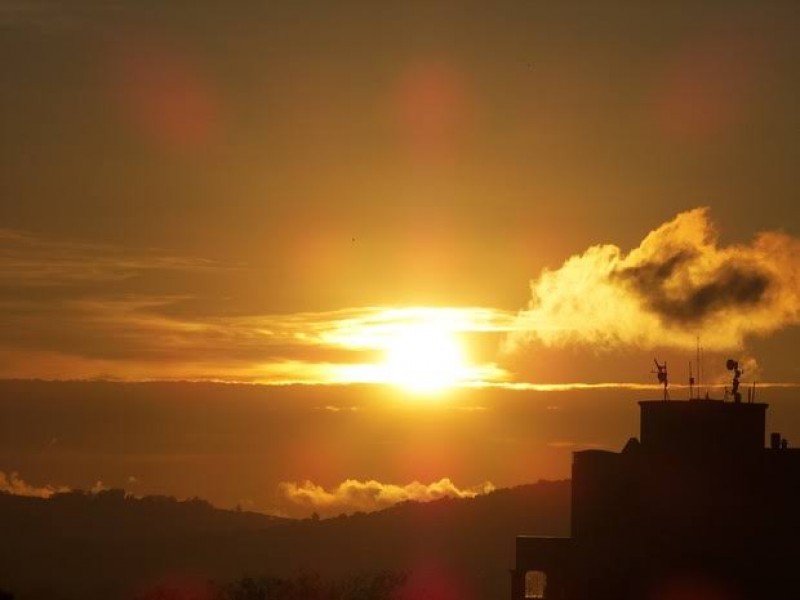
[733,365]
[751,393]
[663,379]
[699,364]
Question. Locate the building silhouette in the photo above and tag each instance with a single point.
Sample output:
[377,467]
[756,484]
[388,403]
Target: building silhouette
[696,508]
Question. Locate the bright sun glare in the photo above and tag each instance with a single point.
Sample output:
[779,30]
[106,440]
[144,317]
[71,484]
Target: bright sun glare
[424,358]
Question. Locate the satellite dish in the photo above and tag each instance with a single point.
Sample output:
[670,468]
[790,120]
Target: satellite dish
[731,364]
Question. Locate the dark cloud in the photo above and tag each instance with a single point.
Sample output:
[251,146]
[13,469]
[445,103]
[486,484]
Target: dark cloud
[729,287]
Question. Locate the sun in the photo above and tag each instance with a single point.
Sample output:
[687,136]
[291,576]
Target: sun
[424,358]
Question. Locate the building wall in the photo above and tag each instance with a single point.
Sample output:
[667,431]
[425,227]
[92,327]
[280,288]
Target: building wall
[699,502]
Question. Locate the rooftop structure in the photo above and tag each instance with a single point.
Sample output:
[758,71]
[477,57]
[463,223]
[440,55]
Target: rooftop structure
[695,507]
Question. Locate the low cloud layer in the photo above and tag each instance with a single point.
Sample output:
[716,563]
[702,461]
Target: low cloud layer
[677,284]
[12,484]
[353,495]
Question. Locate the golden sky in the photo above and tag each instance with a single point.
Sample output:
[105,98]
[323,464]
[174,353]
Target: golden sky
[500,197]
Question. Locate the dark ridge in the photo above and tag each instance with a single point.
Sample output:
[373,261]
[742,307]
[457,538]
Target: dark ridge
[108,547]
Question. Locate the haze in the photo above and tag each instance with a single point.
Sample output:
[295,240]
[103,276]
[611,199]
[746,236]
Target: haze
[375,224]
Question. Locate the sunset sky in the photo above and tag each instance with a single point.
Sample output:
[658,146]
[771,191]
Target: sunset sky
[470,213]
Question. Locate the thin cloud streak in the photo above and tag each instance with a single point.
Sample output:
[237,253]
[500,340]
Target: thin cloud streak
[68,311]
[570,386]
[135,338]
[34,261]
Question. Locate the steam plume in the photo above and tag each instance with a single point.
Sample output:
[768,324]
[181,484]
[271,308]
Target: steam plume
[677,284]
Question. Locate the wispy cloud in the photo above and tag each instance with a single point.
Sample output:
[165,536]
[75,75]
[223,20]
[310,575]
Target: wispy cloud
[81,310]
[335,409]
[677,284]
[30,260]
[134,337]
[352,494]
[568,445]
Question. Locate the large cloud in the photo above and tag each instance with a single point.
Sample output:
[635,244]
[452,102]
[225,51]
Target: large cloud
[679,283]
[370,495]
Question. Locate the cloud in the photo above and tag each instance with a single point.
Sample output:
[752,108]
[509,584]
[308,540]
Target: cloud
[335,409]
[77,310]
[352,494]
[569,445]
[12,484]
[677,284]
[28,260]
[72,310]
[139,337]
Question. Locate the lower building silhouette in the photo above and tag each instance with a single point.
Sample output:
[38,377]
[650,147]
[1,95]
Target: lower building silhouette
[696,508]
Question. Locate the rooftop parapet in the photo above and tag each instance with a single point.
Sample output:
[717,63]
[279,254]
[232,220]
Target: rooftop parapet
[702,426]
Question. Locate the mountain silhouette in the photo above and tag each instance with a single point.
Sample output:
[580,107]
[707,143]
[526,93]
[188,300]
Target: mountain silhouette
[108,546]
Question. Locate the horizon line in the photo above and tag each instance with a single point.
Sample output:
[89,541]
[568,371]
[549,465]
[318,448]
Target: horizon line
[508,385]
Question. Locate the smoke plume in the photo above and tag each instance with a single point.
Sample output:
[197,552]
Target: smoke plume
[679,283]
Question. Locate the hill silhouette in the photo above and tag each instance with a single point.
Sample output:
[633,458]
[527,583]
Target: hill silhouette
[108,546]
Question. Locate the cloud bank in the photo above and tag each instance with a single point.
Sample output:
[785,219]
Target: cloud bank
[352,494]
[12,484]
[677,284]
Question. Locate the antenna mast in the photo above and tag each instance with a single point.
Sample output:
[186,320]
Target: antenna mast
[733,365]
[699,369]
[661,373]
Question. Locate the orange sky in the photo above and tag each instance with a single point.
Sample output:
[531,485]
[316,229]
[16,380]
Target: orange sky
[280,194]
[197,166]
[272,448]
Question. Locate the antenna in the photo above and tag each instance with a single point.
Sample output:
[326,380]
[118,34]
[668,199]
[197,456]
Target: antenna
[661,373]
[701,366]
[733,365]
[699,374]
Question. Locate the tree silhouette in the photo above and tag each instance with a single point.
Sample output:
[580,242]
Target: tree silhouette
[309,585]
